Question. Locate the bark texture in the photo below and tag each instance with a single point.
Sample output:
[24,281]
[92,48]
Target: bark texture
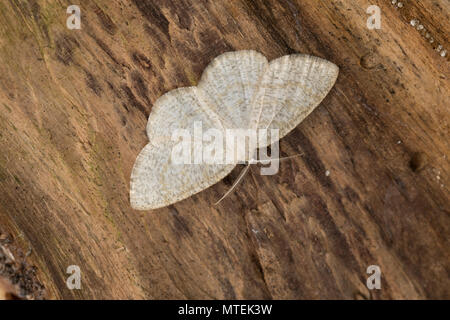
[372,187]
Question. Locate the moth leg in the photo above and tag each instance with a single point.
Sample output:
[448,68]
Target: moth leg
[236,182]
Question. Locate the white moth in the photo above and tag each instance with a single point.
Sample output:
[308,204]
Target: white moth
[238,89]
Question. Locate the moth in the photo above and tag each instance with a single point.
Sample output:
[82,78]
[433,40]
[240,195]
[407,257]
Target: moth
[237,90]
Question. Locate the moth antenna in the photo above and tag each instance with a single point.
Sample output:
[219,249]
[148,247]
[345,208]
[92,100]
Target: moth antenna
[280,159]
[236,182]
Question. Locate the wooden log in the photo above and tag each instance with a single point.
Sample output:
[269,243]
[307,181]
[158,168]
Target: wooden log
[371,189]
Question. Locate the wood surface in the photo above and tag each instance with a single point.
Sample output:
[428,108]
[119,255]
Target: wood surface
[372,187]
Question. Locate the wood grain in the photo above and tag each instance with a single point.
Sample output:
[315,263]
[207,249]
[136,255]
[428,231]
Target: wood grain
[74,105]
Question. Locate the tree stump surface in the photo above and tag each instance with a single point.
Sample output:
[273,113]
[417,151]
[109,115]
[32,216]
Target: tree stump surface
[372,186]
